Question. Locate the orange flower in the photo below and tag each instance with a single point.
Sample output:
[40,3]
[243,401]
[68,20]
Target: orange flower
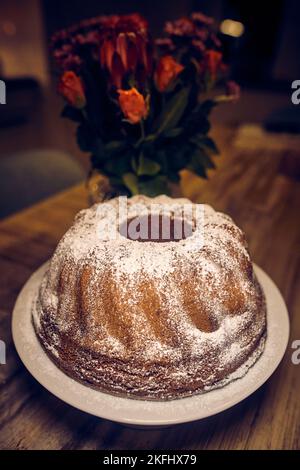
[133,105]
[213,62]
[71,88]
[166,71]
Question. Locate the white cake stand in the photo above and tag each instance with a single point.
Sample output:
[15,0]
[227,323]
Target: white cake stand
[140,412]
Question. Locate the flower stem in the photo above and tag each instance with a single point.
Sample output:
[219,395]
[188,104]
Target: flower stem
[84,114]
[142,130]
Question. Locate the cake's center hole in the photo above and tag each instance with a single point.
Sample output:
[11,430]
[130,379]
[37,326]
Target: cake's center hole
[156,228]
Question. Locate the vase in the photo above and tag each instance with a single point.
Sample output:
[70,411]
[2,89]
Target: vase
[100,189]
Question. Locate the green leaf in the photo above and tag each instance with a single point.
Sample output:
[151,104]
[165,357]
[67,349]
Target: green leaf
[115,146]
[196,122]
[162,158]
[175,132]
[83,140]
[197,169]
[178,156]
[207,106]
[131,182]
[134,164]
[72,113]
[197,165]
[173,111]
[154,186]
[211,146]
[150,138]
[87,140]
[204,142]
[115,181]
[201,154]
[174,177]
[147,167]
[118,166]
[207,161]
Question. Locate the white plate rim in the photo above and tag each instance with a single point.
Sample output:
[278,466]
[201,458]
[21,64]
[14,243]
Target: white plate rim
[142,412]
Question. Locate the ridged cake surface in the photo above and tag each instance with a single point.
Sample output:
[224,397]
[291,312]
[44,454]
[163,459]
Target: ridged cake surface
[151,320]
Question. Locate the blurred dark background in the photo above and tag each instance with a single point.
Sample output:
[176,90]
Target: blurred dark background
[261,38]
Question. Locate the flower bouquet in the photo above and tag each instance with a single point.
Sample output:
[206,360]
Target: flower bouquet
[141,105]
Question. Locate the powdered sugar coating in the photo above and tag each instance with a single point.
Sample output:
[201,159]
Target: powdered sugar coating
[152,320]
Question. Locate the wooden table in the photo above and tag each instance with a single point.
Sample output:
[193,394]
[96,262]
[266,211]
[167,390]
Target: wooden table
[264,200]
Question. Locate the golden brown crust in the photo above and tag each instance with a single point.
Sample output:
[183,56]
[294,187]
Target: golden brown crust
[148,321]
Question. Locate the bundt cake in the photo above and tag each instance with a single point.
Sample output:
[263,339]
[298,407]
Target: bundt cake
[152,318]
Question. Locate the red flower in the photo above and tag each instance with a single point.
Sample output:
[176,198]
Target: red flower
[166,71]
[180,27]
[133,105]
[125,48]
[197,25]
[196,39]
[200,18]
[123,42]
[70,87]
